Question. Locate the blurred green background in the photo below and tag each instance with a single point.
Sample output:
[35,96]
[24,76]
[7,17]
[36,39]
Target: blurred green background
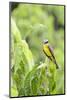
[35,23]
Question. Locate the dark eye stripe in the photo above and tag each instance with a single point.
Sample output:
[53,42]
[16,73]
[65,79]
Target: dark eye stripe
[45,41]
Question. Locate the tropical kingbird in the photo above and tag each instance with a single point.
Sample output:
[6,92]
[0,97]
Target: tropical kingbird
[47,49]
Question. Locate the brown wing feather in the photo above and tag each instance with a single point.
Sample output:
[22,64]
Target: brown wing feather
[51,50]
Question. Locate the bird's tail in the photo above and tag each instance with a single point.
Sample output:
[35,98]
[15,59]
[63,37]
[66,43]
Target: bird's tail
[56,64]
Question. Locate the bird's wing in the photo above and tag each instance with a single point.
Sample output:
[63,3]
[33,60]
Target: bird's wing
[51,50]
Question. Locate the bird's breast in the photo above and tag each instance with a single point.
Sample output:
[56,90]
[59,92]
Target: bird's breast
[46,50]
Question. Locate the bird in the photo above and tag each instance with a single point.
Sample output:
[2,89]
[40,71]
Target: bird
[47,49]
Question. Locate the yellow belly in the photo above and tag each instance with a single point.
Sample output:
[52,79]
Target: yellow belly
[46,50]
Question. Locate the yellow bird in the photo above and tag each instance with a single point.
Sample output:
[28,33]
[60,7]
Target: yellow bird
[47,49]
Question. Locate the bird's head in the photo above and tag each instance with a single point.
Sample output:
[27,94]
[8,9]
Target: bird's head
[45,41]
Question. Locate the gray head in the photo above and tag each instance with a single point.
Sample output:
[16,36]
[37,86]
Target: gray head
[45,41]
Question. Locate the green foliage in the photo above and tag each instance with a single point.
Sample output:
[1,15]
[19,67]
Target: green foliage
[31,73]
